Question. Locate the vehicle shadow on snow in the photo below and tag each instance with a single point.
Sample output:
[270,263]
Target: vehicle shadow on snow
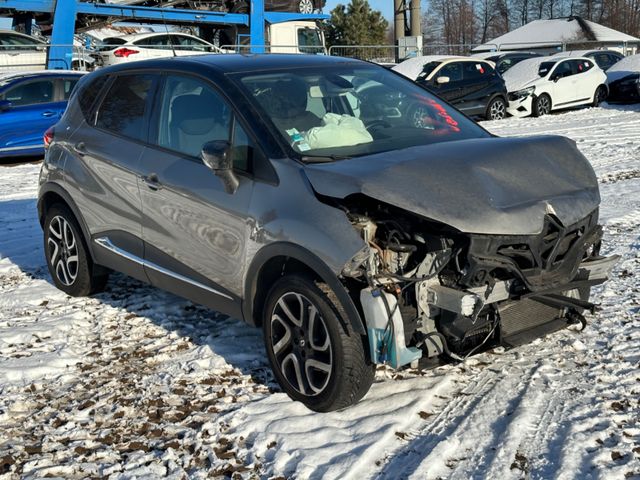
[239,344]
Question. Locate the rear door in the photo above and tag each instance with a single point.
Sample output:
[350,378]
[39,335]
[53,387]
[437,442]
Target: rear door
[32,109]
[587,79]
[194,231]
[105,168]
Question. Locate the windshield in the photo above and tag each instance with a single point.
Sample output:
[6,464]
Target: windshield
[428,68]
[329,113]
[544,68]
[309,40]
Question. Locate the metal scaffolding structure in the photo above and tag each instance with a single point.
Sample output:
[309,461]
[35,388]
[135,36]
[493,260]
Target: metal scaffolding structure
[65,13]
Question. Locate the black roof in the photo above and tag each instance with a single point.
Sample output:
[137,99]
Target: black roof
[228,63]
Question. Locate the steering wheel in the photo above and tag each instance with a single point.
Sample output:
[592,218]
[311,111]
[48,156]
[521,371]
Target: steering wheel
[374,125]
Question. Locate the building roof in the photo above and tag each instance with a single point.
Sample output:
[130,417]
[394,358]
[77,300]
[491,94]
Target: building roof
[551,33]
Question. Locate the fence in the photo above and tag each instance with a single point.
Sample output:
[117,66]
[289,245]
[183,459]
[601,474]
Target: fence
[394,53]
[310,49]
[38,56]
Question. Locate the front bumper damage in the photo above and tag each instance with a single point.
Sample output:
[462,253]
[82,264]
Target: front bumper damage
[473,291]
[521,107]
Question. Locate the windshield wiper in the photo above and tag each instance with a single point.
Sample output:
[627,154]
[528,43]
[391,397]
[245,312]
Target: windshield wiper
[323,158]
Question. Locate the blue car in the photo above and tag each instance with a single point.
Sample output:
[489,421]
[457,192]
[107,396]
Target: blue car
[30,103]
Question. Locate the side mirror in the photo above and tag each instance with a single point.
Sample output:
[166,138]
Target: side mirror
[5,105]
[217,156]
[442,80]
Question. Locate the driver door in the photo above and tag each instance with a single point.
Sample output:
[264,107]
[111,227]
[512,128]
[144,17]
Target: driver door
[451,91]
[563,86]
[194,232]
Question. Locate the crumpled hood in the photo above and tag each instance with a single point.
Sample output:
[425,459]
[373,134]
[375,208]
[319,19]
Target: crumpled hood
[487,185]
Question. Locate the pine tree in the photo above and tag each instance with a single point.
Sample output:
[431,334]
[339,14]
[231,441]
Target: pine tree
[356,24]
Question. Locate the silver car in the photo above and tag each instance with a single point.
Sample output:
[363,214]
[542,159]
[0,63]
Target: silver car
[355,217]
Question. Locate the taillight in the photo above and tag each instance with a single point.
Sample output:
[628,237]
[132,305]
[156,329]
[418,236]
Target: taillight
[48,137]
[125,52]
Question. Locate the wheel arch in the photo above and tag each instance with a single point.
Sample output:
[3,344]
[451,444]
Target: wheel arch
[276,259]
[52,193]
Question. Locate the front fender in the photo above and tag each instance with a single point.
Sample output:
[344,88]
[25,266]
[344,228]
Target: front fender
[302,255]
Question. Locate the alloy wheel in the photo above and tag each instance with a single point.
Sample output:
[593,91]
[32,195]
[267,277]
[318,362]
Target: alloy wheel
[544,106]
[63,250]
[498,110]
[301,344]
[305,6]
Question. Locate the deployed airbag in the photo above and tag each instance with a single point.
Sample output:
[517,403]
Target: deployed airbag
[338,131]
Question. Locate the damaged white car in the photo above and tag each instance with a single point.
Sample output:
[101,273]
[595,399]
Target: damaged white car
[357,218]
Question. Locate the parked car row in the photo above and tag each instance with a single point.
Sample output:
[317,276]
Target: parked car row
[520,84]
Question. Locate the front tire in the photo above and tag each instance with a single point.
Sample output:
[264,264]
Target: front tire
[67,257]
[497,109]
[314,353]
[600,95]
[542,105]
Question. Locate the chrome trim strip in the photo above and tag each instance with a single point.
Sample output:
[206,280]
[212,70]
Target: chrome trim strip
[108,244]
[22,147]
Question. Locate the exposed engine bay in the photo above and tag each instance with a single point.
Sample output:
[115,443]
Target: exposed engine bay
[428,290]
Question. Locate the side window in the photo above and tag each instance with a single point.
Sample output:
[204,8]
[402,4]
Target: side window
[191,114]
[159,41]
[583,65]
[182,42]
[476,70]
[452,70]
[31,93]
[124,106]
[563,69]
[68,85]
[18,42]
[89,93]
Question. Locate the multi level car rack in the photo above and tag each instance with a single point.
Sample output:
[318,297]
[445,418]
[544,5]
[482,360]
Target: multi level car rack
[65,13]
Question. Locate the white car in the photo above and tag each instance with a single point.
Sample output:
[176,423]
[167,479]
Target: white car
[152,45]
[539,86]
[19,52]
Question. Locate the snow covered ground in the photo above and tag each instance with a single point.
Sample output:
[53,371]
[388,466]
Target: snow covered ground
[137,383]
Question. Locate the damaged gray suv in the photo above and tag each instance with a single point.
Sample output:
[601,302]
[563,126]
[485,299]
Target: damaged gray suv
[357,218]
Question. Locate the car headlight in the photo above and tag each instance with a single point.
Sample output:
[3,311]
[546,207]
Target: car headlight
[524,93]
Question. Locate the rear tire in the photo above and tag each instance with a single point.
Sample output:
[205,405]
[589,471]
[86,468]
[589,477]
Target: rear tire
[316,356]
[542,105]
[68,259]
[599,96]
[497,109]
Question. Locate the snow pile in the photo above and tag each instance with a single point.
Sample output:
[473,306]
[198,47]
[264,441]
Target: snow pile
[412,67]
[523,73]
[137,383]
[624,67]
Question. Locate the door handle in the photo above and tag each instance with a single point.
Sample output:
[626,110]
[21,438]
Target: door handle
[80,148]
[152,181]
[48,113]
